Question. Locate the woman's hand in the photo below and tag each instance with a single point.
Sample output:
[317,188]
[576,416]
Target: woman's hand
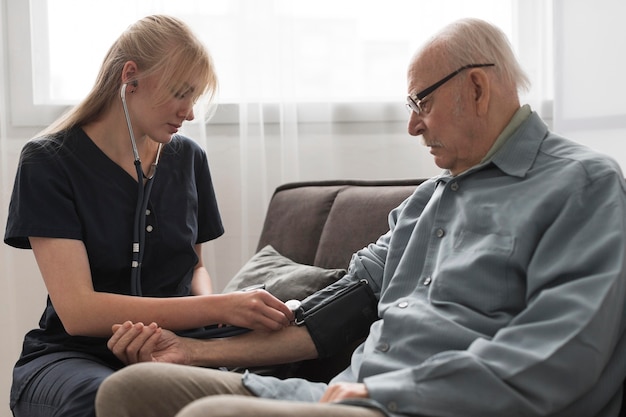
[257,310]
[136,342]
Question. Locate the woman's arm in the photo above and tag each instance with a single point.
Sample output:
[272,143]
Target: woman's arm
[201,283]
[64,265]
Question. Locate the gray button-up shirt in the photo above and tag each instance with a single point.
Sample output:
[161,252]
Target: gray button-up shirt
[501,290]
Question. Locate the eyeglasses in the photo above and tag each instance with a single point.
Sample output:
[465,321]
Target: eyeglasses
[414,101]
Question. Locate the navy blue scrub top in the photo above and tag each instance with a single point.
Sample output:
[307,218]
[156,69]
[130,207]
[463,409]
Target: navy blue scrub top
[66,187]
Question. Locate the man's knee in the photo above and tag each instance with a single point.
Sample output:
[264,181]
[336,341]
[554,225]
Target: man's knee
[164,387]
[246,406]
[129,387]
[220,406]
[127,380]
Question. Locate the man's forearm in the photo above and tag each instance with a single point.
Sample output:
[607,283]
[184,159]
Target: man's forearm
[253,349]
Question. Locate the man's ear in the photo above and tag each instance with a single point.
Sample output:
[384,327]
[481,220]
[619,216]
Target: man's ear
[480,90]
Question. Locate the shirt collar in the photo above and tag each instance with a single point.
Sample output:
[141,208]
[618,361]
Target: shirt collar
[518,118]
[518,151]
[515,149]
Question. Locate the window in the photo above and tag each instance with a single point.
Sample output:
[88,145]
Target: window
[590,87]
[266,51]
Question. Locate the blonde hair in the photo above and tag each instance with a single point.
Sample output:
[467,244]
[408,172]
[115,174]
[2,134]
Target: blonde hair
[157,44]
[474,41]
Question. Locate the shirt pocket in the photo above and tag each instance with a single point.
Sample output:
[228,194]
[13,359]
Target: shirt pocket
[474,273]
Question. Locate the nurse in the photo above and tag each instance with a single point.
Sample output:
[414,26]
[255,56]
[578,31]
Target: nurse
[77,204]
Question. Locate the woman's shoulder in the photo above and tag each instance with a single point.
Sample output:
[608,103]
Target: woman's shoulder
[184,141]
[44,147]
[184,145]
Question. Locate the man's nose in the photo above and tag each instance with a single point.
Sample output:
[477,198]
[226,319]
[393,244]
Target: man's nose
[414,125]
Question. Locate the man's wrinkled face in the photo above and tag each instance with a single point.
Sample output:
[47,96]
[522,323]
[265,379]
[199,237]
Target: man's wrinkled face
[444,122]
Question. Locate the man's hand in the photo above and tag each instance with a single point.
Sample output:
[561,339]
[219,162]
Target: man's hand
[344,390]
[133,343]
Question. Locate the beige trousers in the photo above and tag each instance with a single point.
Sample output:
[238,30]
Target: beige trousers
[166,390]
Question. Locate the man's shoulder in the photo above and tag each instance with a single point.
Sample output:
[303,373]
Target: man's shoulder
[573,158]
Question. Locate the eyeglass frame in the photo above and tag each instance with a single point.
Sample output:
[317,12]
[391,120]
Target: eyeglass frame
[413,103]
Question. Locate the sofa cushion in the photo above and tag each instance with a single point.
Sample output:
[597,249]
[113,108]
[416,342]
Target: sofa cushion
[323,223]
[283,278]
[295,220]
[358,217]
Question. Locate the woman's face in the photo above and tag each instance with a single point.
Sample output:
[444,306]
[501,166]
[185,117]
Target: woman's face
[157,118]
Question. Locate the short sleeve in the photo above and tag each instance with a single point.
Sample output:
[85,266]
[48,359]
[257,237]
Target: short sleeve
[209,220]
[42,202]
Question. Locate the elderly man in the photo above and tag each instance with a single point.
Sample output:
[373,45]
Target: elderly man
[501,283]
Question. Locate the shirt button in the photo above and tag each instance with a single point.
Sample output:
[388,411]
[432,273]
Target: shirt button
[440,233]
[147,212]
[454,186]
[392,406]
[403,304]
[383,347]
[149,228]
[427,281]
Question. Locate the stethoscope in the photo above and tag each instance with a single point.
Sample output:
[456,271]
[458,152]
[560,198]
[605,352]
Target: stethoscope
[143,195]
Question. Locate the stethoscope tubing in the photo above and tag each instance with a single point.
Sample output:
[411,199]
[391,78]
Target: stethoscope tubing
[143,194]
[143,197]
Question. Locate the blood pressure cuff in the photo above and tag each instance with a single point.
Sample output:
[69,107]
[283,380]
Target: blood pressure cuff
[340,319]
